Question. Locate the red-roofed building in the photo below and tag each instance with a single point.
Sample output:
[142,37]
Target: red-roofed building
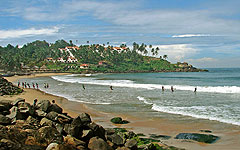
[84,66]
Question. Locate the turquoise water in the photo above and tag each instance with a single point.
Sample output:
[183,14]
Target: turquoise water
[217,97]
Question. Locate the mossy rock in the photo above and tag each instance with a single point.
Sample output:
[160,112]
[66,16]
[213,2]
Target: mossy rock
[118,120]
[120,130]
[205,138]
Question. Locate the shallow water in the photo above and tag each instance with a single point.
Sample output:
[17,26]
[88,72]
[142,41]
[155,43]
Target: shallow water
[217,97]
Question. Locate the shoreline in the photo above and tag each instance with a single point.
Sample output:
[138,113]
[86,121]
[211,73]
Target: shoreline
[229,134]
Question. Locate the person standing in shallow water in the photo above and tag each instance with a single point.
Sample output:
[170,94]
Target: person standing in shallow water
[111,88]
[195,90]
[172,89]
[83,86]
[162,88]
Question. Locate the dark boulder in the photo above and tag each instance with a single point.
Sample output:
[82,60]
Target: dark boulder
[205,138]
[116,139]
[47,135]
[43,105]
[15,103]
[55,108]
[5,120]
[6,103]
[26,108]
[97,130]
[131,144]
[118,120]
[96,143]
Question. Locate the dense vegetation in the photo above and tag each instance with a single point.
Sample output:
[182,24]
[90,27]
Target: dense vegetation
[33,55]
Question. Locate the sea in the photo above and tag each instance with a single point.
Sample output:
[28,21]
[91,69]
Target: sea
[217,96]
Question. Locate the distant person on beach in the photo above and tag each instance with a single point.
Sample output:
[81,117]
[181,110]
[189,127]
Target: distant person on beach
[83,86]
[195,90]
[37,85]
[172,89]
[18,84]
[111,88]
[35,102]
[162,88]
[47,85]
[33,85]
[28,85]
[25,84]
[22,84]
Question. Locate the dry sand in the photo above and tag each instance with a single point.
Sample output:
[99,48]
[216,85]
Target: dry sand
[229,134]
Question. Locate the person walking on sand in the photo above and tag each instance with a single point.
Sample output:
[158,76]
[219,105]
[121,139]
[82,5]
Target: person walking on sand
[33,85]
[162,88]
[83,86]
[111,88]
[18,84]
[23,85]
[172,89]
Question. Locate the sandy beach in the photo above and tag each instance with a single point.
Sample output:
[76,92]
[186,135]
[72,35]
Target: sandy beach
[229,134]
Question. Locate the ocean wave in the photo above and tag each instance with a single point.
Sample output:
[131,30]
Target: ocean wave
[199,112]
[132,84]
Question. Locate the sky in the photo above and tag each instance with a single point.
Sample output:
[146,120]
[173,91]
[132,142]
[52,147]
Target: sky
[205,33]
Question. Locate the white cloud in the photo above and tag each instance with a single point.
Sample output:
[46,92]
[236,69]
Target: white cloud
[203,60]
[176,52]
[190,35]
[5,34]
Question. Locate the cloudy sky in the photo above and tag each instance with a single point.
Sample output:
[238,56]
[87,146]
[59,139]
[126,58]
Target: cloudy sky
[205,33]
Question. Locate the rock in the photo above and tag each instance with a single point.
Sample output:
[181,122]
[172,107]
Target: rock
[47,135]
[74,142]
[97,130]
[40,113]
[43,105]
[132,144]
[123,148]
[6,144]
[5,120]
[165,137]
[116,139]
[96,143]
[118,120]
[55,108]
[16,115]
[85,118]
[52,116]
[64,119]
[25,108]
[15,103]
[53,146]
[32,121]
[205,138]
[6,103]
[87,135]
[46,122]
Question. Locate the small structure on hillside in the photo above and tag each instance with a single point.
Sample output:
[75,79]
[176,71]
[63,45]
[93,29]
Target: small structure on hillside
[84,66]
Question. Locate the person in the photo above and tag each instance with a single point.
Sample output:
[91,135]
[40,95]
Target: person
[172,89]
[33,85]
[47,85]
[18,84]
[28,85]
[35,102]
[195,90]
[37,85]
[23,85]
[83,86]
[111,88]
[162,88]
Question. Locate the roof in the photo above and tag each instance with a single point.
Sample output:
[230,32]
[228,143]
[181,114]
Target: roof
[84,65]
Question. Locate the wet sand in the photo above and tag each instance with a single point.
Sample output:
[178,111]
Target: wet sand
[229,134]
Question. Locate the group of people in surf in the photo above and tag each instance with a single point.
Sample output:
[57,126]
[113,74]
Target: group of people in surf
[172,89]
[28,85]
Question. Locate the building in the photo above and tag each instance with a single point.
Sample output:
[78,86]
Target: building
[84,66]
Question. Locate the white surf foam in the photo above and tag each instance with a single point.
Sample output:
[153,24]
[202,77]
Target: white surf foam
[132,84]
